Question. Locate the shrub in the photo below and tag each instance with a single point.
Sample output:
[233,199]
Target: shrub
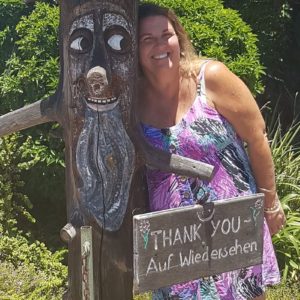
[30,271]
[31,71]
[286,155]
[14,205]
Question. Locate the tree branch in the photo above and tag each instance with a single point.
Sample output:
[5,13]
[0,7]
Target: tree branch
[28,116]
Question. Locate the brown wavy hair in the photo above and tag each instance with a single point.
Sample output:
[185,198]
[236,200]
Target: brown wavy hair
[189,61]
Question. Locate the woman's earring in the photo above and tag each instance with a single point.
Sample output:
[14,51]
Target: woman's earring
[182,54]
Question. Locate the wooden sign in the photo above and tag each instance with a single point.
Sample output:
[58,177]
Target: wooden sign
[186,243]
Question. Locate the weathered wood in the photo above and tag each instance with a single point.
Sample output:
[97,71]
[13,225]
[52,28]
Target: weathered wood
[30,115]
[186,243]
[98,87]
[168,162]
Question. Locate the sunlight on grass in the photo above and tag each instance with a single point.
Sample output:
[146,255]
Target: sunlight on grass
[146,296]
[284,291]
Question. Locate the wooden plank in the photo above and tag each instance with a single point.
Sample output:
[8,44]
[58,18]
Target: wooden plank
[186,243]
[168,162]
[30,115]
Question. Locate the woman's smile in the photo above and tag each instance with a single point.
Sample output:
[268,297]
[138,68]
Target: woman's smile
[160,56]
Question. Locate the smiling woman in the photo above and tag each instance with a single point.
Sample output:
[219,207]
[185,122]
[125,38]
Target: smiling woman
[199,109]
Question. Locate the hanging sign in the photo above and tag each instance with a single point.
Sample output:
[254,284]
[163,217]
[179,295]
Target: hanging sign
[181,244]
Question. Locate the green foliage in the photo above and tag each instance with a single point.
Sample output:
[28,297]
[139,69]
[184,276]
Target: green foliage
[145,296]
[271,21]
[14,204]
[284,291]
[10,14]
[30,271]
[220,33]
[31,71]
[286,157]
[276,24]
[26,269]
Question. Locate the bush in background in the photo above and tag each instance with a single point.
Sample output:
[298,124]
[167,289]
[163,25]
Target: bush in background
[30,271]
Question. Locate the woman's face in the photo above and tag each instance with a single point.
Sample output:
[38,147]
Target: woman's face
[159,48]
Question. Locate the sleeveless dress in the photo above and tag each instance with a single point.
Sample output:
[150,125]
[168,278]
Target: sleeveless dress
[205,135]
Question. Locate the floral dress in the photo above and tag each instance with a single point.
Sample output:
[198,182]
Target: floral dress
[205,135]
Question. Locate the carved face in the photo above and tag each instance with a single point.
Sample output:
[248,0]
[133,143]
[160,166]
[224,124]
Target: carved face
[101,47]
[101,66]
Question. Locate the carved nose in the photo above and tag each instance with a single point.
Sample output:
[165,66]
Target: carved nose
[97,79]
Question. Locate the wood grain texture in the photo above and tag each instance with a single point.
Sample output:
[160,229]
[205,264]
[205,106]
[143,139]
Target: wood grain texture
[28,116]
[95,170]
[182,244]
[167,162]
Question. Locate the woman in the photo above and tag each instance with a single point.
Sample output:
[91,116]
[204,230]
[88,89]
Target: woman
[199,109]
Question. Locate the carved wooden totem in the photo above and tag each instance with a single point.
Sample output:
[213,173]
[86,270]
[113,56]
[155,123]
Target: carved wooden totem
[93,103]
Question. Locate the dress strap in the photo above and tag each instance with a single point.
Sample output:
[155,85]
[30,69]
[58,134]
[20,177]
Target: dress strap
[201,91]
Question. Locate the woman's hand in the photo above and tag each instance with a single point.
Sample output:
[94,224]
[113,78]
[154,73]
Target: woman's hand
[275,220]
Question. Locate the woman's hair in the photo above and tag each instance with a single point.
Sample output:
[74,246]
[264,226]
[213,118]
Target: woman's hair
[188,58]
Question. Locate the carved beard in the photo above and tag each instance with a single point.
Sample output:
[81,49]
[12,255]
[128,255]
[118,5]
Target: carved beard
[105,162]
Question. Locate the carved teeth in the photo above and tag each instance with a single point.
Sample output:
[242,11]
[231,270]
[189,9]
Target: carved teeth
[102,101]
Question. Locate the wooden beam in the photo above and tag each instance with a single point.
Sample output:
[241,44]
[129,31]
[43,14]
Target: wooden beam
[28,116]
[168,162]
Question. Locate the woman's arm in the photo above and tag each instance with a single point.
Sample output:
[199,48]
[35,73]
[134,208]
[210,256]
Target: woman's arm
[232,99]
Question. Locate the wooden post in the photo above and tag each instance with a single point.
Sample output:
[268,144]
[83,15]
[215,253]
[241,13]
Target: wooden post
[104,182]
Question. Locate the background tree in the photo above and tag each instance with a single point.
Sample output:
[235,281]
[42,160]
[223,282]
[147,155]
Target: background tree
[277,26]
[30,50]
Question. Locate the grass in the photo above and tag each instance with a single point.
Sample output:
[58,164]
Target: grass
[284,291]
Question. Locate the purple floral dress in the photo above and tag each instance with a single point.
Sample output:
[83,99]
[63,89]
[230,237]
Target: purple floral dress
[203,134]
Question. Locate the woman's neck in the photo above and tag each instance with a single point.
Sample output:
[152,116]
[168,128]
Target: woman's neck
[163,103]
[163,86]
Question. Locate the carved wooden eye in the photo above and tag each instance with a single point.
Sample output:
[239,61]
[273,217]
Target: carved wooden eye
[81,41]
[117,39]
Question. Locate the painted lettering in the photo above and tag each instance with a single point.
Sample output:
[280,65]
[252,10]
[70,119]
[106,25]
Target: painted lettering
[187,236]
[152,267]
[155,234]
[167,238]
[196,234]
[225,228]
[238,225]
[214,254]
[177,237]
[215,227]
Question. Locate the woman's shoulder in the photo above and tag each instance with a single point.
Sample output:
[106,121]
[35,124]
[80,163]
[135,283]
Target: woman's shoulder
[218,76]
[216,70]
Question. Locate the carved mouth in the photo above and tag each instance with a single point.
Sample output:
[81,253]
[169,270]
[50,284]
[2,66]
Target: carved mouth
[102,101]
[101,104]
